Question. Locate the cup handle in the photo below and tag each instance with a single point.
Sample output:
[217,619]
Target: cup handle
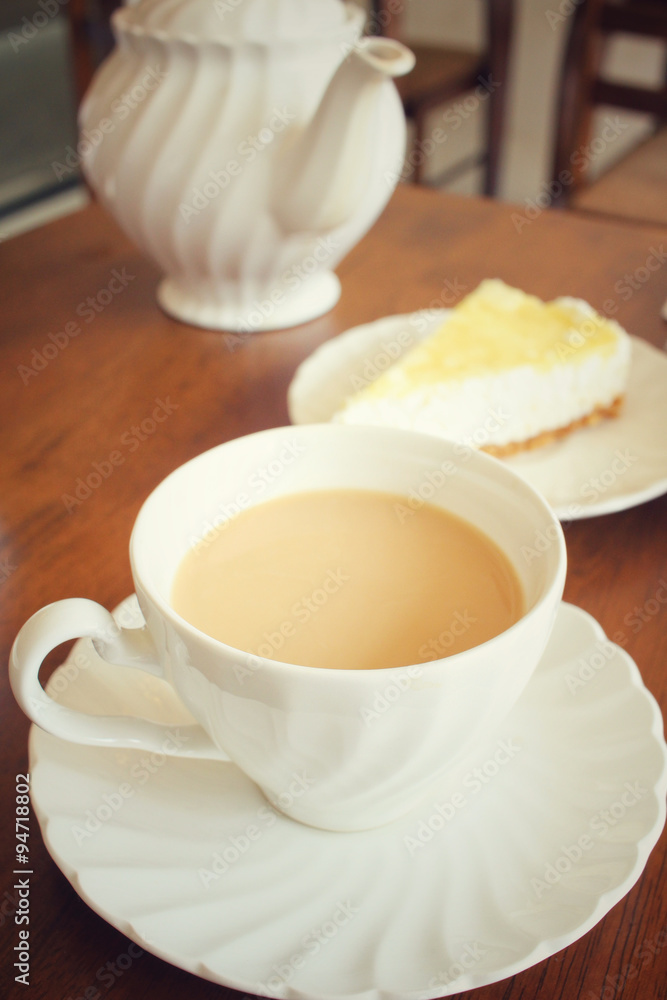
[74,618]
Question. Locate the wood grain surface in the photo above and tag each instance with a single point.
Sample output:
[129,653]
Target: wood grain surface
[86,360]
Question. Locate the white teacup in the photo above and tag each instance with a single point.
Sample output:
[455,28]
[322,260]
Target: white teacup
[305,735]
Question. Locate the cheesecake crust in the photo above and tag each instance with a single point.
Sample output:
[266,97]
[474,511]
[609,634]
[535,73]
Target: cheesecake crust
[596,415]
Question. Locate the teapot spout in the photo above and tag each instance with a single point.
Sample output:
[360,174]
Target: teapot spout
[356,134]
[386,55]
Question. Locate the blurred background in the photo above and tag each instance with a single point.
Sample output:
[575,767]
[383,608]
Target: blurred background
[505,96]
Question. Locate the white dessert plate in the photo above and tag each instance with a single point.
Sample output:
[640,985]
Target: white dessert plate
[508,863]
[611,466]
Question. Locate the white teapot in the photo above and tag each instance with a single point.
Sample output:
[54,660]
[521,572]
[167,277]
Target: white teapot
[246,146]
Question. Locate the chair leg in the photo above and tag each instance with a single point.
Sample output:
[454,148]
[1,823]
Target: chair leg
[500,23]
[574,112]
[418,146]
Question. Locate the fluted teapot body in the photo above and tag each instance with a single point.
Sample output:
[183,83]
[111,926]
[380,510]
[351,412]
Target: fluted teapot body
[246,147]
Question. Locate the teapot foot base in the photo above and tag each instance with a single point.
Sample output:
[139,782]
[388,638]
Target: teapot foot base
[275,311]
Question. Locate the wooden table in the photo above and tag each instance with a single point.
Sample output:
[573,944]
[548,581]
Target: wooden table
[70,399]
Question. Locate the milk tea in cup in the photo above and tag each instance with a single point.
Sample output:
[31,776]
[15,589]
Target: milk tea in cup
[348,579]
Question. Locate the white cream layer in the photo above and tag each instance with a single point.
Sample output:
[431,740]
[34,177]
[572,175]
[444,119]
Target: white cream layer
[503,407]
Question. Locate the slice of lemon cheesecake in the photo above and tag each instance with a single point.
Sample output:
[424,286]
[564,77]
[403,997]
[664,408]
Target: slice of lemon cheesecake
[505,371]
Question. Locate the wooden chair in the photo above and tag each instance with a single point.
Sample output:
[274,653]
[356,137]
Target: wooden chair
[443,73]
[92,39]
[635,187]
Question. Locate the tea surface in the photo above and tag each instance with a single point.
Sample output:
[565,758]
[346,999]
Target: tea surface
[350,579]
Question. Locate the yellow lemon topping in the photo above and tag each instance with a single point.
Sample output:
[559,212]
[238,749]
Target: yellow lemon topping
[496,328]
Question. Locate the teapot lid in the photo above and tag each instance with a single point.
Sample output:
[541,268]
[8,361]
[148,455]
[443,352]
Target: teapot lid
[263,21]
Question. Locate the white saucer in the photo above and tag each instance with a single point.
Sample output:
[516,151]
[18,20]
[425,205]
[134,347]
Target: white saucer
[608,467]
[519,860]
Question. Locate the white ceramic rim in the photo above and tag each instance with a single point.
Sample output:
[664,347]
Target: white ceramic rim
[122,22]
[142,573]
